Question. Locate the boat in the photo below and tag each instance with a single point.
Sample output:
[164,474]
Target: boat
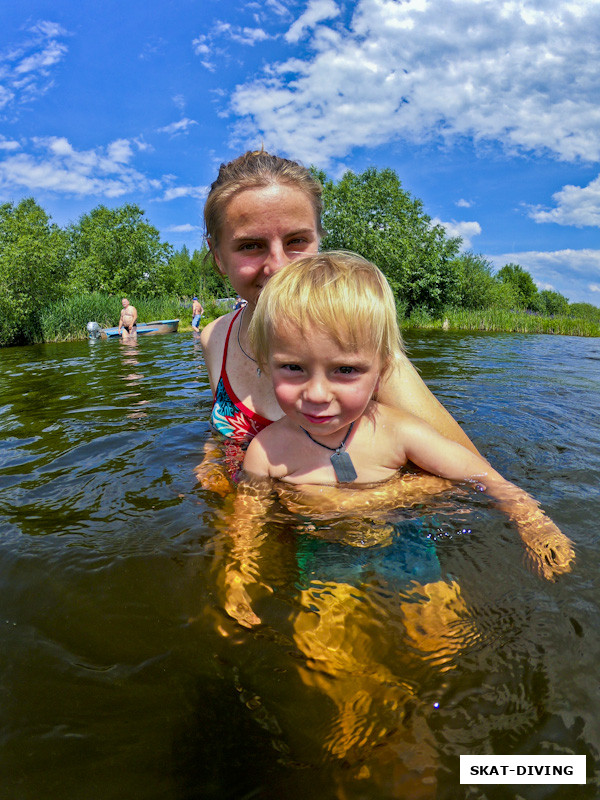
[142,329]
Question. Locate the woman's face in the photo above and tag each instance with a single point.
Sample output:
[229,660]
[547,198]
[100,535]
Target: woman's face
[264,229]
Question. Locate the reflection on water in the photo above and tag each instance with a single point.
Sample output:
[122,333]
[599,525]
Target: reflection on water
[382,648]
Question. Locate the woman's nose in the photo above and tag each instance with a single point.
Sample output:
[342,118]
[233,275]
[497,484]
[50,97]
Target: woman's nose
[275,259]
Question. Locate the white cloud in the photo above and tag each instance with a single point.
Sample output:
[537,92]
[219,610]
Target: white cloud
[248,36]
[26,68]
[575,205]
[55,166]
[186,228]
[206,44]
[183,126]
[175,192]
[573,273]
[466,230]
[524,74]
[8,144]
[463,203]
[316,11]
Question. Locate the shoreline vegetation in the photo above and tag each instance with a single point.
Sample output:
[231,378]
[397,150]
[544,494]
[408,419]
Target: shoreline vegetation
[66,319]
[54,280]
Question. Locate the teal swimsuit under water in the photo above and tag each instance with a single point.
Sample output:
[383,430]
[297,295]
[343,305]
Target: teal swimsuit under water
[229,416]
[409,556]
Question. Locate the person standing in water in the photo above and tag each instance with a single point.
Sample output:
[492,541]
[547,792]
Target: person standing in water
[197,311]
[128,320]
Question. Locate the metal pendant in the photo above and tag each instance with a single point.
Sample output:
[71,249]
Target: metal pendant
[343,467]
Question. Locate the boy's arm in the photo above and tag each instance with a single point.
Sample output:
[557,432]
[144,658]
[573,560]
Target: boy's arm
[549,550]
[256,462]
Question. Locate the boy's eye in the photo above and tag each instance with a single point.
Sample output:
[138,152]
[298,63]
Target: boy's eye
[248,246]
[346,370]
[292,367]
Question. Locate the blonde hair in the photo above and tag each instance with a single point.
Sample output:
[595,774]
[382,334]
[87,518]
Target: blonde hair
[253,170]
[337,292]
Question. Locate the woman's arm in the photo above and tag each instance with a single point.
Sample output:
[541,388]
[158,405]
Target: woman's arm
[245,530]
[212,340]
[403,388]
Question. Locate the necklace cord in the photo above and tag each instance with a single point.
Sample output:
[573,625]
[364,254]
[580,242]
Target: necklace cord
[240,344]
[333,449]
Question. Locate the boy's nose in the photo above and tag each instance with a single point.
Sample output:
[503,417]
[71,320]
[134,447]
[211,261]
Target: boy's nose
[317,390]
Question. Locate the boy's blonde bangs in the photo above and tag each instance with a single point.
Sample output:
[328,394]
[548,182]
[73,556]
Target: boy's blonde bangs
[338,293]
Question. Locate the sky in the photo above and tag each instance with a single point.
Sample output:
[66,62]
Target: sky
[488,111]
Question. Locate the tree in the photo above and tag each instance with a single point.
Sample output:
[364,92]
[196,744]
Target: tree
[119,252]
[522,283]
[552,304]
[372,215]
[585,311]
[210,282]
[32,269]
[476,286]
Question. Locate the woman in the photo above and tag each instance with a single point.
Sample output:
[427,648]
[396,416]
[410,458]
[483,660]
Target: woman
[261,213]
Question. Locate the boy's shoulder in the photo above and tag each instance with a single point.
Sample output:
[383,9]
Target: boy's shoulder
[266,453]
[278,432]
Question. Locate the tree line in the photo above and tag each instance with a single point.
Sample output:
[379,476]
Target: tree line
[118,252]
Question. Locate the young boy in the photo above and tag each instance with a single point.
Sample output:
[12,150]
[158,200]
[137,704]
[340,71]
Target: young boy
[325,331]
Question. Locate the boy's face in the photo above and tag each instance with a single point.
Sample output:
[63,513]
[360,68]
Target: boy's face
[320,386]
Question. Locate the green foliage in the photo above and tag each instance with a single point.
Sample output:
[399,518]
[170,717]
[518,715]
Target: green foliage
[372,215]
[119,252]
[476,286]
[32,269]
[522,284]
[196,275]
[585,311]
[53,281]
[551,304]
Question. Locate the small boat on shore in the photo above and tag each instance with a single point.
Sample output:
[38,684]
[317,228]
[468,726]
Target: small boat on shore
[142,329]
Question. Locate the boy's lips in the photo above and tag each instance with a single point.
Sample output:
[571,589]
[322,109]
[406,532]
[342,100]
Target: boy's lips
[320,420]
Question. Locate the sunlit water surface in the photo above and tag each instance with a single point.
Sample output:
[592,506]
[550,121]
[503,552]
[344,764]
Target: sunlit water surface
[123,676]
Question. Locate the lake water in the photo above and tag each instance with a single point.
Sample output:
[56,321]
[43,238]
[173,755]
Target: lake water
[121,674]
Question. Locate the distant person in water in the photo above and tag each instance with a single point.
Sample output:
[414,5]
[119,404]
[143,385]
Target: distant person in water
[197,311]
[325,330]
[128,320]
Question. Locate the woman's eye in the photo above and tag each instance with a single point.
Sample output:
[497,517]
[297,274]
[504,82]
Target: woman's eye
[248,246]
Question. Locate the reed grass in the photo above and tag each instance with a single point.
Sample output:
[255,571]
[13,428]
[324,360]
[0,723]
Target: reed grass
[500,320]
[67,318]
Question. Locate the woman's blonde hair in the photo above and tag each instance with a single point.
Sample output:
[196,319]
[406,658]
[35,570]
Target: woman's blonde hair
[253,170]
[340,294]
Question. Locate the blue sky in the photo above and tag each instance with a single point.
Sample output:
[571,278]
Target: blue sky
[488,110]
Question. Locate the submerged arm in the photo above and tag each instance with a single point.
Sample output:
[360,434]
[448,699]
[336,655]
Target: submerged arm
[549,551]
[245,529]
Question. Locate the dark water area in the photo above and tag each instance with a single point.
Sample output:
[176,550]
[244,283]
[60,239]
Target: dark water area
[122,675]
